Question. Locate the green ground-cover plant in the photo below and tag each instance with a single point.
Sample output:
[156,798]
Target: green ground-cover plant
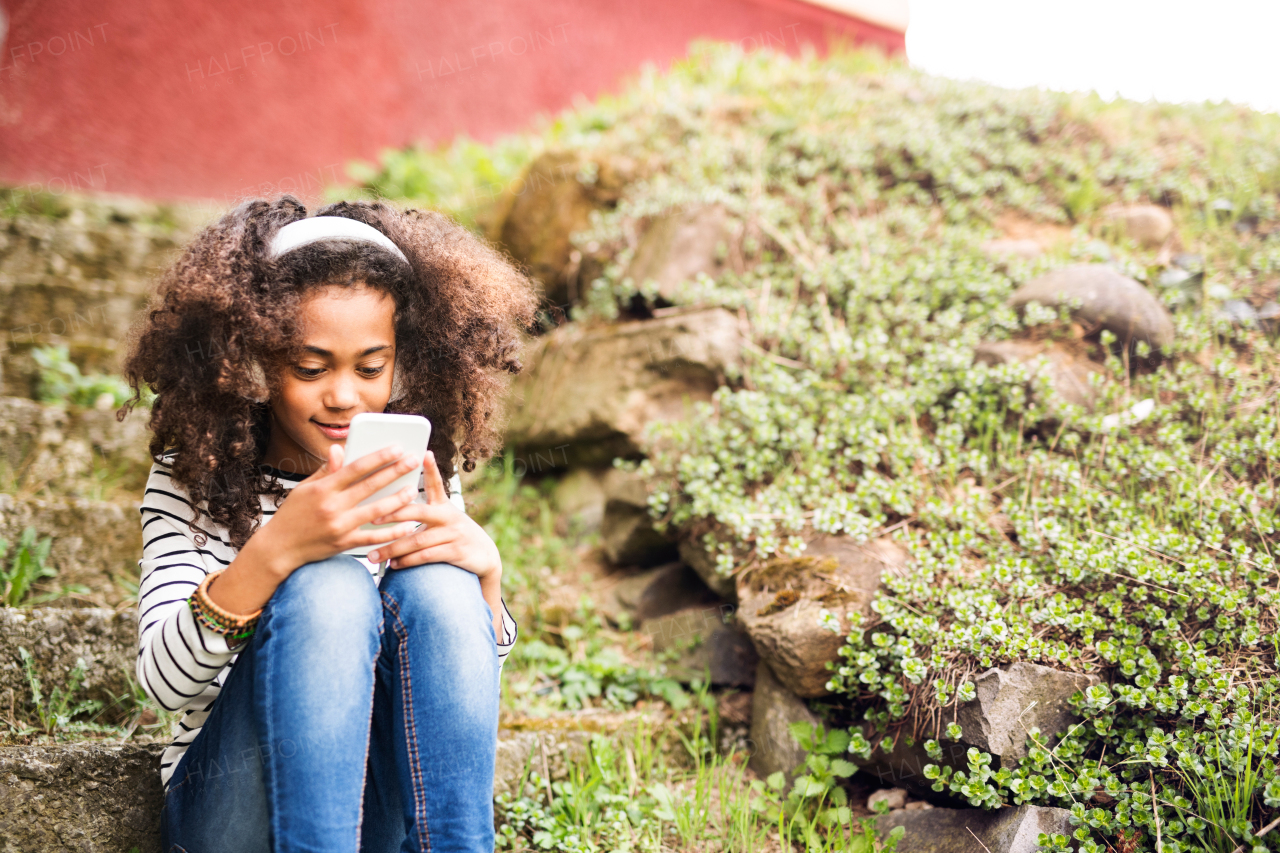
[60,381]
[859,194]
[463,176]
[815,812]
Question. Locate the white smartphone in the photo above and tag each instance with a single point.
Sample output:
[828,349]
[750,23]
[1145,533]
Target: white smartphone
[370,432]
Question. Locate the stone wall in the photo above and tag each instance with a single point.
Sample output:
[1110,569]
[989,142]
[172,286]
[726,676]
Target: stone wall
[76,271]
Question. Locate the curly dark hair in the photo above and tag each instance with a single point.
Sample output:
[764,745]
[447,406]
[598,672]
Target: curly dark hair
[225,308]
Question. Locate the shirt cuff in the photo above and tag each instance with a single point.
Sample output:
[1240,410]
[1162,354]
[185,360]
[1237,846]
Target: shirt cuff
[510,630]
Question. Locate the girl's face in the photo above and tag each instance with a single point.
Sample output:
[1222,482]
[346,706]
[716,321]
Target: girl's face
[345,369]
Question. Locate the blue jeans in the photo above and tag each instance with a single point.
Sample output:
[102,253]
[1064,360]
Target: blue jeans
[357,718]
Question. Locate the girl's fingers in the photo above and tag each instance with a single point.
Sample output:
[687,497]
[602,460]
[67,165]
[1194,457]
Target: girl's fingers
[397,507]
[365,465]
[426,513]
[421,539]
[357,492]
[418,558]
[432,481]
[368,538]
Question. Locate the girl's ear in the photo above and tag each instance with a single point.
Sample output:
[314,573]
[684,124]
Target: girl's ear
[260,391]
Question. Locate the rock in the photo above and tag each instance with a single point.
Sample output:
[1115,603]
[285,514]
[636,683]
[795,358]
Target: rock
[552,199]
[520,750]
[56,447]
[1012,700]
[1026,249]
[593,389]
[1148,225]
[705,644]
[620,593]
[676,588]
[780,604]
[107,642]
[1006,830]
[1238,312]
[93,542]
[1241,313]
[895,798]
[551,745]
[918,805]
[93,797]
[627,528]
[656,592]
[698,559]
[1068,373]
[677,247]
[773,709]
[1108,300]
[579,497]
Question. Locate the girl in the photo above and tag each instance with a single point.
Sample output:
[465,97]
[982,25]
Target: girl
[339,685]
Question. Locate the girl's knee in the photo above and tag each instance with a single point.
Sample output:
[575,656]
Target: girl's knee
[335,592]
[440,594]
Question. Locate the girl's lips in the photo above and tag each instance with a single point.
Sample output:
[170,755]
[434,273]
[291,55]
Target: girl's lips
[332,431]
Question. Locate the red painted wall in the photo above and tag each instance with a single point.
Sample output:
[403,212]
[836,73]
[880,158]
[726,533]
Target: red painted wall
[219,100]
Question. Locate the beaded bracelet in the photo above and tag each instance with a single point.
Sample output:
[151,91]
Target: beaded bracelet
[218,620]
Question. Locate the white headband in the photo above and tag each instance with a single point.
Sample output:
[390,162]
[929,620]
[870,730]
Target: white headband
[315,228]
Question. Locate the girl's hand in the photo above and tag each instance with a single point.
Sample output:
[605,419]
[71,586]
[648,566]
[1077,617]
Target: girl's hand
[448,535]
[319,517]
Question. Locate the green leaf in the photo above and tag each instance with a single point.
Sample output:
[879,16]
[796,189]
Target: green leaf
[837,742]
[842,768]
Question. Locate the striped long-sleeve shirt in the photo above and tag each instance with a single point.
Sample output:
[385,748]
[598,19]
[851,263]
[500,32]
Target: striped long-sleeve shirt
[182,665]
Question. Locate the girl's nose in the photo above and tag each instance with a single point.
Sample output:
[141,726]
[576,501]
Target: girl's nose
[341,394]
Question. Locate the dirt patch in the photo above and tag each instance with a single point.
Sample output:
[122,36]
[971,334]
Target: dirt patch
[1014,226]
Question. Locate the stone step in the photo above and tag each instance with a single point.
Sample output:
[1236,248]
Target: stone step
[105,797]
[58,638]
[61,449]
[94,542]
[76,270]
[90,797]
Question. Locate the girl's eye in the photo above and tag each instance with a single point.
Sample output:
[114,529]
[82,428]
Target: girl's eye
[309,372]
[371,372]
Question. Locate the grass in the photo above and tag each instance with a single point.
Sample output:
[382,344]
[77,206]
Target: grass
[650,791]
[55,713]
[26,566]
[1224,806]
